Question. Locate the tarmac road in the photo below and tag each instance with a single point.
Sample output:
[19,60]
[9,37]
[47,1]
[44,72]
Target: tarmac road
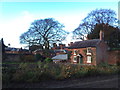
[108,83]
[111,81]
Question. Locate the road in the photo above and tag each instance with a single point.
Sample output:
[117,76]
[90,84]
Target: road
[111,81]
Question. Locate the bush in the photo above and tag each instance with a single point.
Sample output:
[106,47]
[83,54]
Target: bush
[36,72]
[108,70]
[6,78]
[65,72]
[48,60]
[92,71]
[104,64]
[7,74]
[118,63]
[32,72]
[40,64]
[39,57]
[26,72]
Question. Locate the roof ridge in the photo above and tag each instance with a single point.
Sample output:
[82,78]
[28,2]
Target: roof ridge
[88,40]
[86,43]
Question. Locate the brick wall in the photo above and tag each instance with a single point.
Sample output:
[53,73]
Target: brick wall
[113,56]
[11,57]
[102,55]
[83,52]
[99,55]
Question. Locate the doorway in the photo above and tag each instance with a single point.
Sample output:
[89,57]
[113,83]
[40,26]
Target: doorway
[80,59]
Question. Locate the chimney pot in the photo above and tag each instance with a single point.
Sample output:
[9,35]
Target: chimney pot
[71,43]
[54,45]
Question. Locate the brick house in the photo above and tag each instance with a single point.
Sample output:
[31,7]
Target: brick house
[91,52]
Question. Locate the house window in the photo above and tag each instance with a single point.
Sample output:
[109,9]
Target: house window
[75,59]
[89,59]
[89,51]
[75,52]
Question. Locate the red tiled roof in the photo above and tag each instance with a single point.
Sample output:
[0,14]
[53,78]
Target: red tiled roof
[84,44]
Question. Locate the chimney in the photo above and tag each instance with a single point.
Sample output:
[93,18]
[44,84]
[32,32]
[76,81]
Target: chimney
[101,35]
[68,44]
[54,45]
[86,38]
[61,46]
[71,43]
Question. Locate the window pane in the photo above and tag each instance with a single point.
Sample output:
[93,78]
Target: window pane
[75,59]
[88,59]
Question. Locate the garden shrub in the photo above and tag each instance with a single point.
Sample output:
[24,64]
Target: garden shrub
[108,70]
[25,74]
[48,60]
[80,74]
[92,71]
[104,64]
[64,72]
[39,57]
[6,78]
[36,72]
[40,64]
[7,74]
[118,63]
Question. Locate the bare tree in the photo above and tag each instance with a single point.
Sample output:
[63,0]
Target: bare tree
[95,17]
[44,32]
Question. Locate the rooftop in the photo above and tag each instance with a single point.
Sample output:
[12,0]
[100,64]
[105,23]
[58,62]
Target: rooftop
[84,44]
[60,57]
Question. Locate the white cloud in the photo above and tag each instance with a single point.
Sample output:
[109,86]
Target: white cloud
[71,22]
[11,30]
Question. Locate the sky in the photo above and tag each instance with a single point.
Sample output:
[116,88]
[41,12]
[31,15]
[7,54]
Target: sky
[16,17]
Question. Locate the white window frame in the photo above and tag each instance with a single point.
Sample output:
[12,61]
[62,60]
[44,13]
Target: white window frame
[89,51]
[89,59]
[75,52]
[75,59]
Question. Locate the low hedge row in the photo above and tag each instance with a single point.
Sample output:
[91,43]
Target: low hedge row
[37,72]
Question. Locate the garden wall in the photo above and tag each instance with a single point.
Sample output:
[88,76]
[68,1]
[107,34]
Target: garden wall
[11,57]
[113,56]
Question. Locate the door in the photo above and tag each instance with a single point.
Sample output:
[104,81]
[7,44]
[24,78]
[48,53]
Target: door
[81,60]
[78,59]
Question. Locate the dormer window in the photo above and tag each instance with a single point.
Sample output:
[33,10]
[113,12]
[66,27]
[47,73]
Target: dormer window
[89,51]
[75,52]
